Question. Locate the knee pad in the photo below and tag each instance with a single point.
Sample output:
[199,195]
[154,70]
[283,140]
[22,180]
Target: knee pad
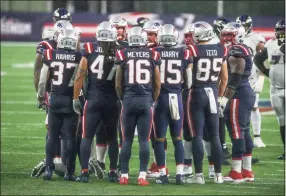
[238,146]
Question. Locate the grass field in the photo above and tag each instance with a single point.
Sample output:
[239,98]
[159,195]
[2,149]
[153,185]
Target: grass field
[23,140]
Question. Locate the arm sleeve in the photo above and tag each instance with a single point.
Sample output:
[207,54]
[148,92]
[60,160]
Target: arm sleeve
[120,58]
[259,58]
[43,80]
[156,59]
[86,50]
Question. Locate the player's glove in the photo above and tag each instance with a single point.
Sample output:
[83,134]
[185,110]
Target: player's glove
[41,103]
[258,86]
[222,101]
[77,106]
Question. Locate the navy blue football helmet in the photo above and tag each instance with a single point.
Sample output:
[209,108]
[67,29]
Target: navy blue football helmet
[246,22]
[280,31]
[219,25]
[62,14]
[141,21]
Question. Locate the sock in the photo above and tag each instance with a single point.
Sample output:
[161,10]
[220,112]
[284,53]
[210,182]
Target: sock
[207,146]
[236,165]
[180,169]
[154,157]
[162,171]
[222,131]
[246,162]
[165,158]
[188,153]
[142,175]
[256,122]
[179,152]
[282,133]
[124,175]
[101,150]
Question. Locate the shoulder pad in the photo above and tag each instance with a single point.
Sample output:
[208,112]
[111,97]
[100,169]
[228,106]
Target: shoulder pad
[238,51]
[88,47]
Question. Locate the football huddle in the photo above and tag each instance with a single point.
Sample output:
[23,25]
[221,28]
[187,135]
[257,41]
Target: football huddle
[141,81]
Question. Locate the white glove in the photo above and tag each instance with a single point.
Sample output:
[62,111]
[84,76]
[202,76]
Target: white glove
[77,106]
[258,86]
[222,101]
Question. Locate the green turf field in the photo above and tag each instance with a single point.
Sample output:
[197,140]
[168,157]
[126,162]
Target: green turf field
[23,145]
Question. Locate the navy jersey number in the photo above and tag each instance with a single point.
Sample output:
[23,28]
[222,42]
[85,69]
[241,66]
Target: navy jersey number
[60,70]
[171,71]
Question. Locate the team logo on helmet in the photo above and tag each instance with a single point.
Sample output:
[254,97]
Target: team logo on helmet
[60,25]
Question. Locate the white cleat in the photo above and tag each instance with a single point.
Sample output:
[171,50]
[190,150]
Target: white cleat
[218,179]
[258,142]
[211,172]
[188,171]
[197,179]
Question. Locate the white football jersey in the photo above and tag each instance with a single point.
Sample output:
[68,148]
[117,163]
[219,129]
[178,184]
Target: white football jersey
[277,64]
[251,40]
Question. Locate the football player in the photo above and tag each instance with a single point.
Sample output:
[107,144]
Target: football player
[59,65]
[188,156]
[138,87]
[169,109]
[237,102]
[207,68]
[49,42]
[218,26]
[101,102]
[274,52]
[256,42]
[152,28]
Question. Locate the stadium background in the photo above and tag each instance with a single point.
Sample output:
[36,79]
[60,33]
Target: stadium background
[22,127]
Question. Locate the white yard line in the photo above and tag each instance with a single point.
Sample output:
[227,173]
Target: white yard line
[22,112]
[22,124]
[19,44]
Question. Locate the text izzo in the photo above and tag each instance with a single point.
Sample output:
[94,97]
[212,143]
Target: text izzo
[211,52]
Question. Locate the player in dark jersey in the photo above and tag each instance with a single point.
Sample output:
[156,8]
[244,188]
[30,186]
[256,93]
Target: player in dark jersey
[207,68]
[169,109]
[152,28]
[120,24]
[101,100]
[138,87]
[59,65]
[237,102]
[141,21]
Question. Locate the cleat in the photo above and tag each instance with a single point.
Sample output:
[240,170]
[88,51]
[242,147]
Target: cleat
[153,171]
[233,176]
[179,179]
[39,169]
[70,177]
[281,157]
[102,166]
[162,180]
[112,176]
[248,176]
[123,181]
[48,174]
[211,172]
[84,177]
[226,153]
[218,179]
[188,171]
[142,182]
[254,161]
[197,179]
[95,165]
[258,142]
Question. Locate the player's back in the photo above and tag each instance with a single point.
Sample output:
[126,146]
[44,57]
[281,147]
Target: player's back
[62,64]
[101,71]
[139,64]
[174,62]
[207,62]
[242,51]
